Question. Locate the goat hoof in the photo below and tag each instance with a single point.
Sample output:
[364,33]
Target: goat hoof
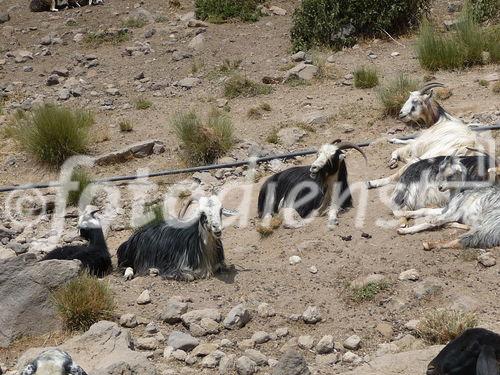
[427,246]
[54,10]
[368,185]
[402,230]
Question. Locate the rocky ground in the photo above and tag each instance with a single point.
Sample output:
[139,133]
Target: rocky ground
[245,320]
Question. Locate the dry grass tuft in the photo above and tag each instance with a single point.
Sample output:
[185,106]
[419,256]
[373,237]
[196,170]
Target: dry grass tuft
[441,325]
[395,93]
[239,86]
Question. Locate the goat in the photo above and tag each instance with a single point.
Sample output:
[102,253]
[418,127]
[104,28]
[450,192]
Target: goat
[53,362]
[446,136]
[94,256]
[180,250]
[475,352]
[418,186]
[310,188]
[476,209]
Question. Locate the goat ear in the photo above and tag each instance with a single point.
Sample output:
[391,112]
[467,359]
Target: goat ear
[228,212]
[336,141]
[486,362]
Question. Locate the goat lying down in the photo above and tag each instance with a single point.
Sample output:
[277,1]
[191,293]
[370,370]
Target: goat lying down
[447,135]
[53,362]
[94,256]
[319,188]
[475,352]
[418,186]
[477,209]
[181,250]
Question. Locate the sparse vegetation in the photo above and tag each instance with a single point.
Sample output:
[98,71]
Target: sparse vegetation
[484,10]
[365,78]
[204,141]
[239,86]
[267,230]
[95,39]
[395,93]
[254,113]
[460,49]
[51,133]
[153,213]
[83,179]
[368,291]
[483,82]
[134,22]
[142,103]
[265,107]
[335,23]
[161,19]
[219,11]
[273,136]
[496,87]
[83,301]
[295,81]
[126,126]
[440,326]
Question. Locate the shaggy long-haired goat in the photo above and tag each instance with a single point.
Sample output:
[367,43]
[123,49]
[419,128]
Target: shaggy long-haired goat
[181,250]
[475,209]
[94,256]
[53,362]
[475,352]
[322,186]
[447,135]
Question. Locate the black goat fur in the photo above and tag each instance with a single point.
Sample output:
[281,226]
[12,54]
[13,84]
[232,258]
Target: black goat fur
[175,248]
[284,182]
[475,352]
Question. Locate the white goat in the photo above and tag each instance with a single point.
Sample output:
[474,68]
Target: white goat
[446,135]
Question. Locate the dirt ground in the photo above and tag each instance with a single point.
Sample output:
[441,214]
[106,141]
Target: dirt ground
[263,272]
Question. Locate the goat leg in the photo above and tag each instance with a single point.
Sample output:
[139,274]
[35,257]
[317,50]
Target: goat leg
[417,228]
[418,213]
[53,6]
[458,226]
[455,244]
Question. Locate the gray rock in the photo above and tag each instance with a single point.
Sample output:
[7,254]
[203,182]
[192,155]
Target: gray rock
[325,345]
[63,94]
[311,315]
[144,298]
[302,71]
[261,337]
[147,343]
[203,350]
[256,356]
[182,341]
[487,259]
[61,72]
[315,118]
[6,253]
[4,17]
[306,342]
[450,24]
[195,316]
[290,136]
[411,275]
[52,80]
[291,363]
[149,33]
[128,321]
[46,40]
[104,350]
[227,365]
[212,360]
[238,317]
[353,342]
[264,310]
[138,150]
[299,56]
[179,55]
[17,247]
[188,82]
[350,357]
[27,69]
[173,311]
[197,42]
[245,366]
[282,332]
[152,328]
[385,329]
[25,287]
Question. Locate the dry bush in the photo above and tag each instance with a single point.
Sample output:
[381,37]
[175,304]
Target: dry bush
[441,325]
[239,86]
[395,93]
[83,301]
[365,78]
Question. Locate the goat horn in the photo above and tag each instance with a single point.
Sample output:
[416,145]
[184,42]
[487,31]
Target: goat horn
[336,141]
[92,213]
[345,145]
[183,210]
[430,86]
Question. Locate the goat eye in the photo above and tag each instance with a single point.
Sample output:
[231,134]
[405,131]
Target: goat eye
[412,108]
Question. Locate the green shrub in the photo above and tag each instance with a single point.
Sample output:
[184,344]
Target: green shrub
[338,23]
[134,22]
[52,133]
[204,141]
[95,39]
[365,78]
[369,291]
[395,93]
[126,126]
[496,87]
[484,10]
[82,177]
[218,11]
[143,103]
[440,326]
[83,301]
[238,85]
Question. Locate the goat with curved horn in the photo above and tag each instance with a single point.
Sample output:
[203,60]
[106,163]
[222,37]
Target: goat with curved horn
[429,86]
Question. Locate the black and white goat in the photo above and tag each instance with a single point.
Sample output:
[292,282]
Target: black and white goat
[475,352]
[181,250]
[53,362]
[95,255]
[447,135]
[319,188]
[418,186]
[475,209]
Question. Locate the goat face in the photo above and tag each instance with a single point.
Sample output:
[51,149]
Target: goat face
[327,160]
[87,222]
[211,212]
[415,106]
[451,173]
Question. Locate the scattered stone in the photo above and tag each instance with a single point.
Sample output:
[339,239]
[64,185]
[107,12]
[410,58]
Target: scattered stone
[246,344]
[302,71]
[212,360]
[203,350]
[4,17]
[180,355]
[487,259]
[412,325]
[316,118]
[151,328]
[277,10]
[227,364]
[27,69]
[291,363]
[188,83]
[147,343]
[182,341]
[238,317]
[113,91]
[63,94]
[128,321]
[139,150]
[178,55]
[450,24]
[195,316]
[144,298]
[294,259]
[78,37]
[385,330]
[350,357]
[311,315]
[352,343]
[328,359]
[372,56]
[61,72]
[209,326]
[290,136]
[299,56]
[454,7]
[52,80]
[245,366]
[306,342]
[325,345]
[149,33]
[256,356]
[173,311]
[411,275]
[395,54]
[282,332]
[264,310]
[197,42]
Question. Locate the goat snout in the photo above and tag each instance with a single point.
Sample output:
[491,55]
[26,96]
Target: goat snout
[431,370]
[402,115]
[217,231]
[313,171]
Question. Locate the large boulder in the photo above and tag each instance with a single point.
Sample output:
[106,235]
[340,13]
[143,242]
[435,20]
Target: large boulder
[406,363]
[105,349]
[25,287]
